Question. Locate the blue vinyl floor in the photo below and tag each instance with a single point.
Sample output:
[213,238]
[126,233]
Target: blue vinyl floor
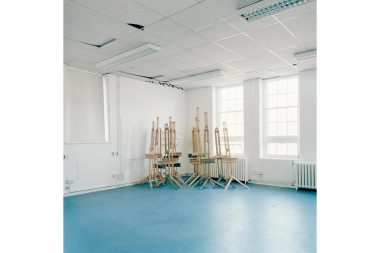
[137,219]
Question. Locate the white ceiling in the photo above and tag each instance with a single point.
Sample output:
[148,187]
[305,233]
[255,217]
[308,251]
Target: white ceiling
[195,36]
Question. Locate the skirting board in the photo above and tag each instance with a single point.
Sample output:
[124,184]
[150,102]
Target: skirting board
[96,189]
[106,188]
[277,183]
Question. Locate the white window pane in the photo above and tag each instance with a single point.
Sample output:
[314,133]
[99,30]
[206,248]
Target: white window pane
[236,147]
[293,149]
[282,115]
[232,93]
[272,129]
[292,128]
[282,129]
[282,100]
[272,149]
[292,85]
[231,105]
[239,105]
[222,117]
[292,114]
[272,88]
[281,149]
[272,101]
[231,118]
[240,130]
[224,106]
[234,130]
[224,94]
[272,115]
[239,92]
[239,117]
[282,86]
[292,99]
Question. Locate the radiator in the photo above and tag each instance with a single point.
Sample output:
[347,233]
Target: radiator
[306,175]
[239,169]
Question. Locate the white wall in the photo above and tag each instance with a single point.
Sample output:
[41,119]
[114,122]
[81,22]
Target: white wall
[132,107]
[279,171]
[140,104]
[134,104]
[92,165]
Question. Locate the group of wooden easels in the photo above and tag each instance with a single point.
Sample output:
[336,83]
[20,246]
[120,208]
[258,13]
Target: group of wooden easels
[202,160]
[163,165]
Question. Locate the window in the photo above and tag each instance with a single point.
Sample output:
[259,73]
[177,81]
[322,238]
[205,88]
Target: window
[231,110]
[280,118]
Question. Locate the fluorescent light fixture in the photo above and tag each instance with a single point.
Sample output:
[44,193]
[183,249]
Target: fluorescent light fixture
[131,55]
[304,56]
[197,77]
[272,8]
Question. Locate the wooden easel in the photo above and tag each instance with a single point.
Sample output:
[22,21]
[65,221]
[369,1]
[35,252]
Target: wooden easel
[228,159]
[170,160]
[219,157]
[197,151]
[208,160]
[154,155]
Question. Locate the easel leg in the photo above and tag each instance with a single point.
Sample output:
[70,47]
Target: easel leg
[204,184]
[228,184]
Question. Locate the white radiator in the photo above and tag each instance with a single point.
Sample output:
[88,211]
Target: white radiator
[239,169]
[306,175]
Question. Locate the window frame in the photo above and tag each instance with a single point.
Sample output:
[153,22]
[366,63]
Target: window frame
[265,139]
[220,124]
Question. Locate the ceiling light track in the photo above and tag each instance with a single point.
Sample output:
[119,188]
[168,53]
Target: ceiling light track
[150,80]
[197,77]
[128,56]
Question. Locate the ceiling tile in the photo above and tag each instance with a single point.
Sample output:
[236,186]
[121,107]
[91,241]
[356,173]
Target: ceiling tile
[166,29]
[127,11]
[196,17]
[257,62]
[244,26]
[303,27]
[194,59]
[219,31]
[215,52]
[95,21]
[222,8]
[167,7]
[149,69]
[81,34]
[274,37]
[77,47]
[284,71]
[297,11]
[174,62]
[216,81]
[243,45]
[190,40]
[262,74]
